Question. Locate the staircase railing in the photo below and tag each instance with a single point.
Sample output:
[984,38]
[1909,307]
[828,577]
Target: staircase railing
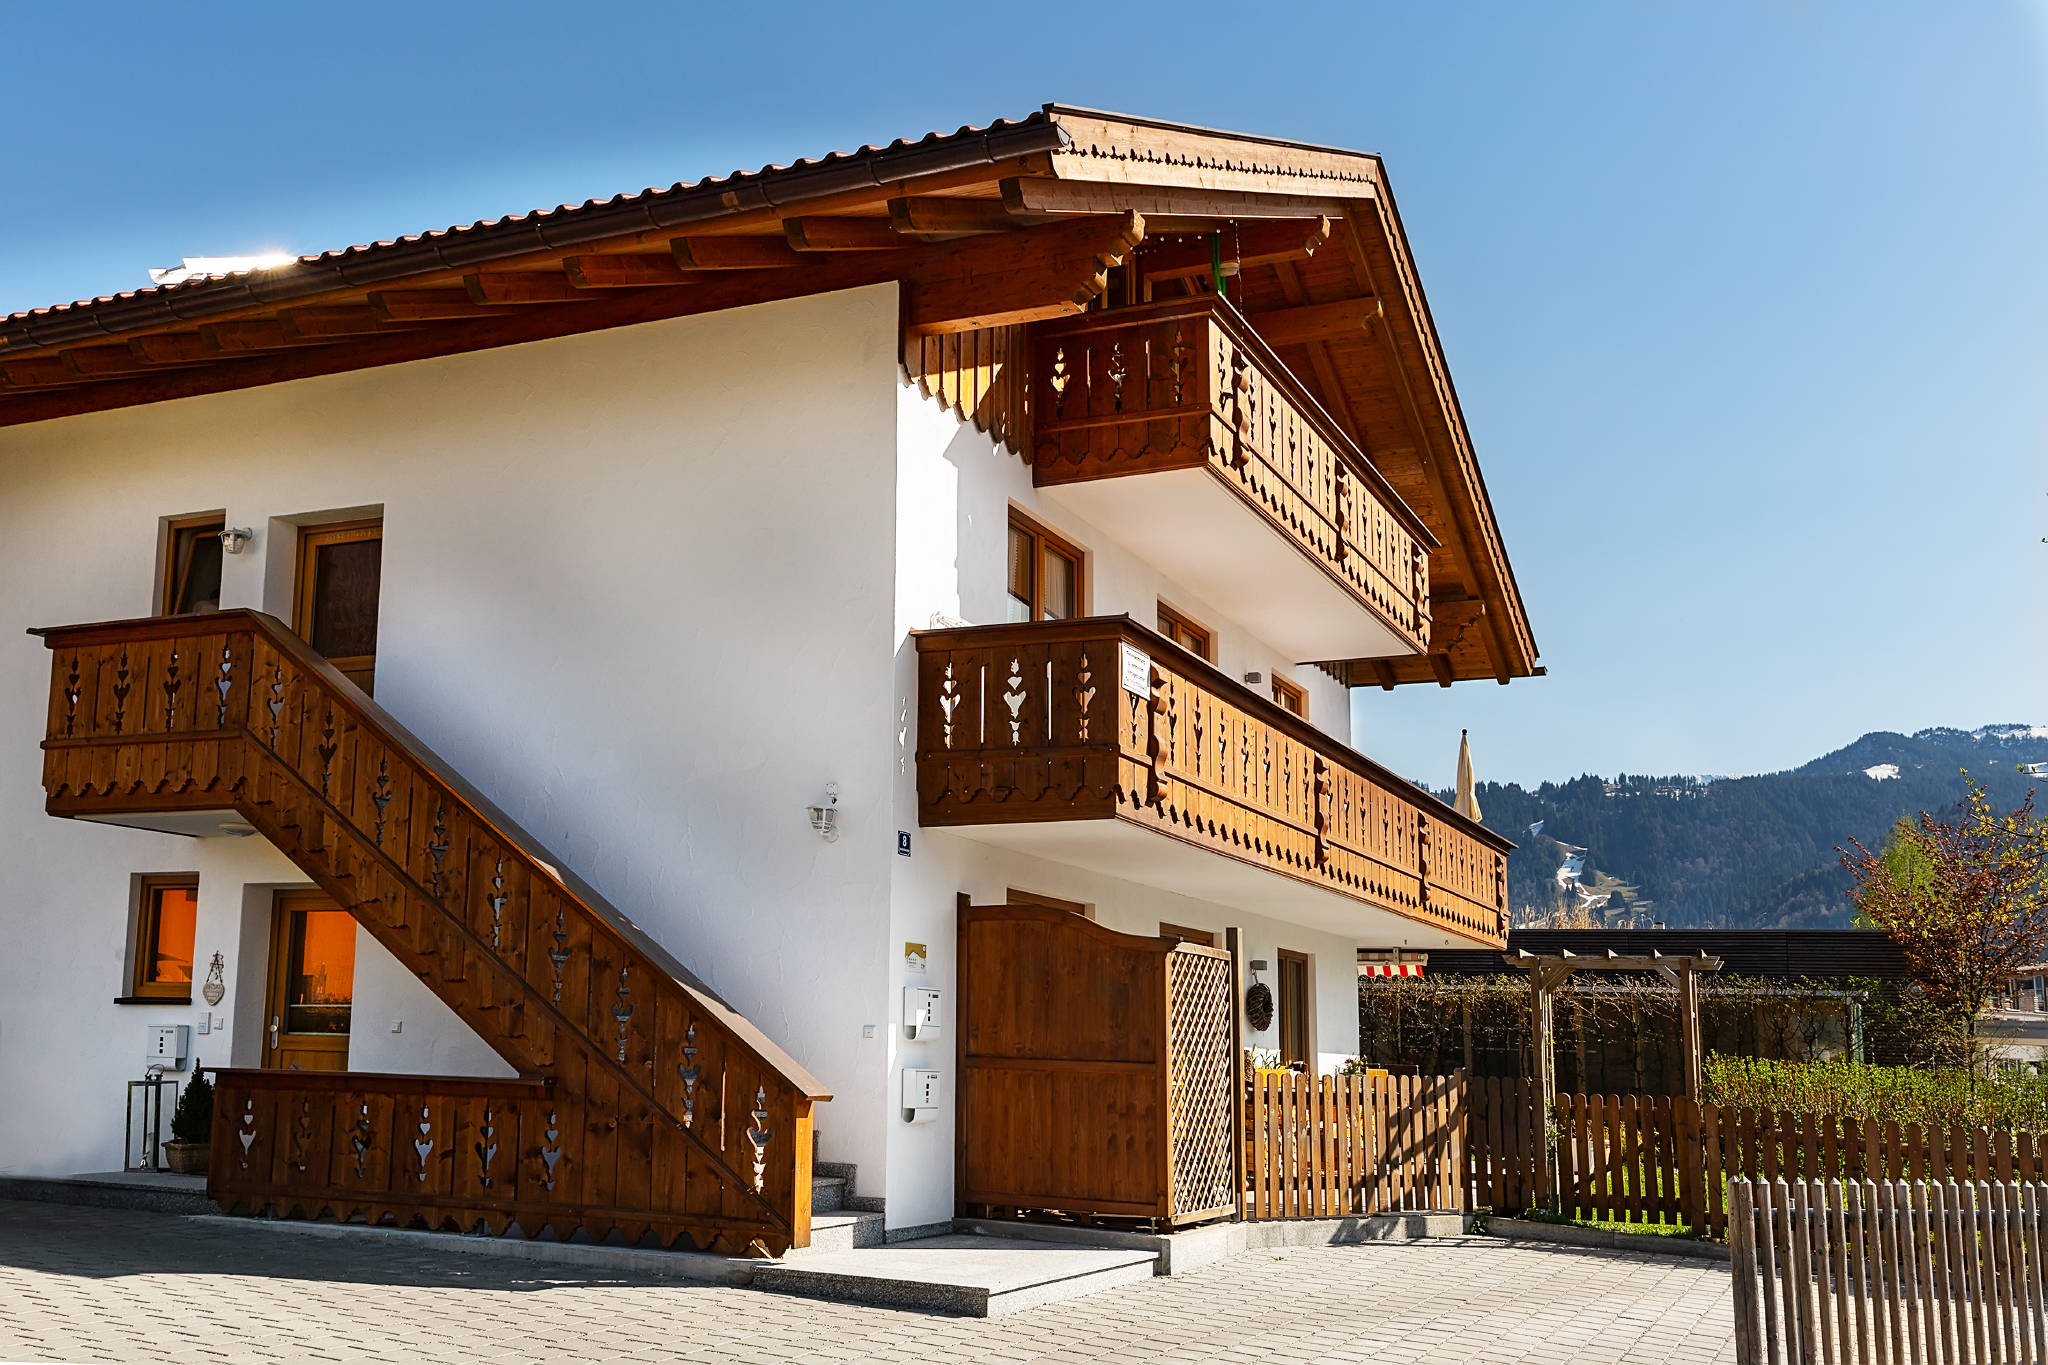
[685,1118]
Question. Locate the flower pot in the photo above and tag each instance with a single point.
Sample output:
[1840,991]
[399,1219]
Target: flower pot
[186,1158]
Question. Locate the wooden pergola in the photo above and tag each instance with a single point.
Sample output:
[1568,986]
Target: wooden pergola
[1548,971]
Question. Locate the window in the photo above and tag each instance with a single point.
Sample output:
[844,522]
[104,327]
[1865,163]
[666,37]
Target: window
[335,611]
[165,917]
[191,567]
[1294,1008]
[1183,631]
[1291,697]
[1205,937]
[1017,897]
[1045,574]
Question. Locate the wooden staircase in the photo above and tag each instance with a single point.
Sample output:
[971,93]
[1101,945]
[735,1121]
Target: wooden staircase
[644,1104]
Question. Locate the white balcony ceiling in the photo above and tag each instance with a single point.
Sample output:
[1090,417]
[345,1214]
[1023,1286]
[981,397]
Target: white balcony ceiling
[1198,532]
[193,824]
[1129,852]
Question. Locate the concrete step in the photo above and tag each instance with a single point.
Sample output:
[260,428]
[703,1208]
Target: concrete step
[964,1275]
[828,1194]
[1192,1248]
[843,1230]
[147,1191]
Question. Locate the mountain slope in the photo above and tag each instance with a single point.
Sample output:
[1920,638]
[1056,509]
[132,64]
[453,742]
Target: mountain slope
[1738,853]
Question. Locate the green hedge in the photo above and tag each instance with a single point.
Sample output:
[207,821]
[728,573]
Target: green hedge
[1929,1096]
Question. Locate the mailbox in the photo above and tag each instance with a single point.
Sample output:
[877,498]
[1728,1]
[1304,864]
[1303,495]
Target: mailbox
[170,1046]
[920,1012]
[920,1095]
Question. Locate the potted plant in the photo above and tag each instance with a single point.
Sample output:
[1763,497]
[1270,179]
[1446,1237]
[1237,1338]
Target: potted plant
[191,1127]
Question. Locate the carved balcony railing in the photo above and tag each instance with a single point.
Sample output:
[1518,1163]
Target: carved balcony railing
[1187,384]
[446,1152]
[640,1063]
[1102,719]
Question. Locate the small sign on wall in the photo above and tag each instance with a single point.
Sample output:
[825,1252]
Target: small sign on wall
[1137,671]
[903,843]
[914,958]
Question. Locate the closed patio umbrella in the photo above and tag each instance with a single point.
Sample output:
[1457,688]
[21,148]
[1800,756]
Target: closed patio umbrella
[1467,803]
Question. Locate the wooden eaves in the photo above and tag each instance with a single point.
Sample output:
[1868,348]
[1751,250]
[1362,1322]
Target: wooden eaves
[1011,223]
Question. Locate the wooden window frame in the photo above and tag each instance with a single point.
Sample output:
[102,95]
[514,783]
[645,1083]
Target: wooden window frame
[1308,1007]
[311,538]
[1039,898]
[1045,538]
[1172,619]
[1205,937]
[167,562]
[142,940]
[1285,691]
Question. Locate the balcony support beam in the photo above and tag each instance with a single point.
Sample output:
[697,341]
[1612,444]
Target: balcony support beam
[1023,276]
[1316,322]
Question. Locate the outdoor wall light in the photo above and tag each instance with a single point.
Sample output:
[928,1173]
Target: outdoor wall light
[825,815]
[235,539]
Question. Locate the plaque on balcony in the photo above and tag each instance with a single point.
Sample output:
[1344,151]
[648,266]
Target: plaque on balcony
[1137,670]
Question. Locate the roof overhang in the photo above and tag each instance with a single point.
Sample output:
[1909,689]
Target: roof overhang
[1057,190]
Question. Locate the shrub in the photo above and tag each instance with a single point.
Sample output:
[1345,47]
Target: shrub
[192,1120]
[1930,1097]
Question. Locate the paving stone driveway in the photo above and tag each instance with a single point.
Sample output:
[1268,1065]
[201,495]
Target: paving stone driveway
[96,1284]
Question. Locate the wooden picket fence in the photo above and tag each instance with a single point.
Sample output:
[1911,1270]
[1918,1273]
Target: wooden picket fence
[1344,1146]
[1503,1144]
[1631,1158]
[1889,1271]
[1660,1159]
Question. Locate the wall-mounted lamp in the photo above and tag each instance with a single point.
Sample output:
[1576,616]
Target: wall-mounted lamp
[235,539]
[825,815]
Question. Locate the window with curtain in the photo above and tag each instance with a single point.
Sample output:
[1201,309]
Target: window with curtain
[1044,574]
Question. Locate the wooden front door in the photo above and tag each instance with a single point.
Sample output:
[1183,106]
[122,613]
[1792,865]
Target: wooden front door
[335,606]
[312,984]
[1294,1008]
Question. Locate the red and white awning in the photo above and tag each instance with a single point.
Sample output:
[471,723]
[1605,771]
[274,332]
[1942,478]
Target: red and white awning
[1390,969]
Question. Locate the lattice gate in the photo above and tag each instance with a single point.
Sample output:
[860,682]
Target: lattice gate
[1201,1102]
[1096,1071]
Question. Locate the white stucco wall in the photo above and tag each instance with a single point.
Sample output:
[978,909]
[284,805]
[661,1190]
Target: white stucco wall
[636,588]
[953,494]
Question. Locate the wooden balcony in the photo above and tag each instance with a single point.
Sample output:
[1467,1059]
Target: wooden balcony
[1176,429]
[1100,744]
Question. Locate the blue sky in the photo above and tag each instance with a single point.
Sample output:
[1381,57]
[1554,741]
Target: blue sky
[1747,303]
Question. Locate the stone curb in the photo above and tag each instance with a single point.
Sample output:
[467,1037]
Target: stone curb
[680,1265]
[1565,1234]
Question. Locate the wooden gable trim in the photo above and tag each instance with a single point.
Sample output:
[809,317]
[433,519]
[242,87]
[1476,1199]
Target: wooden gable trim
[1439,425]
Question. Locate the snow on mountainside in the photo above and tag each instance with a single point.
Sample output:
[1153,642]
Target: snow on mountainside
[1741,852]
[2017,732]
